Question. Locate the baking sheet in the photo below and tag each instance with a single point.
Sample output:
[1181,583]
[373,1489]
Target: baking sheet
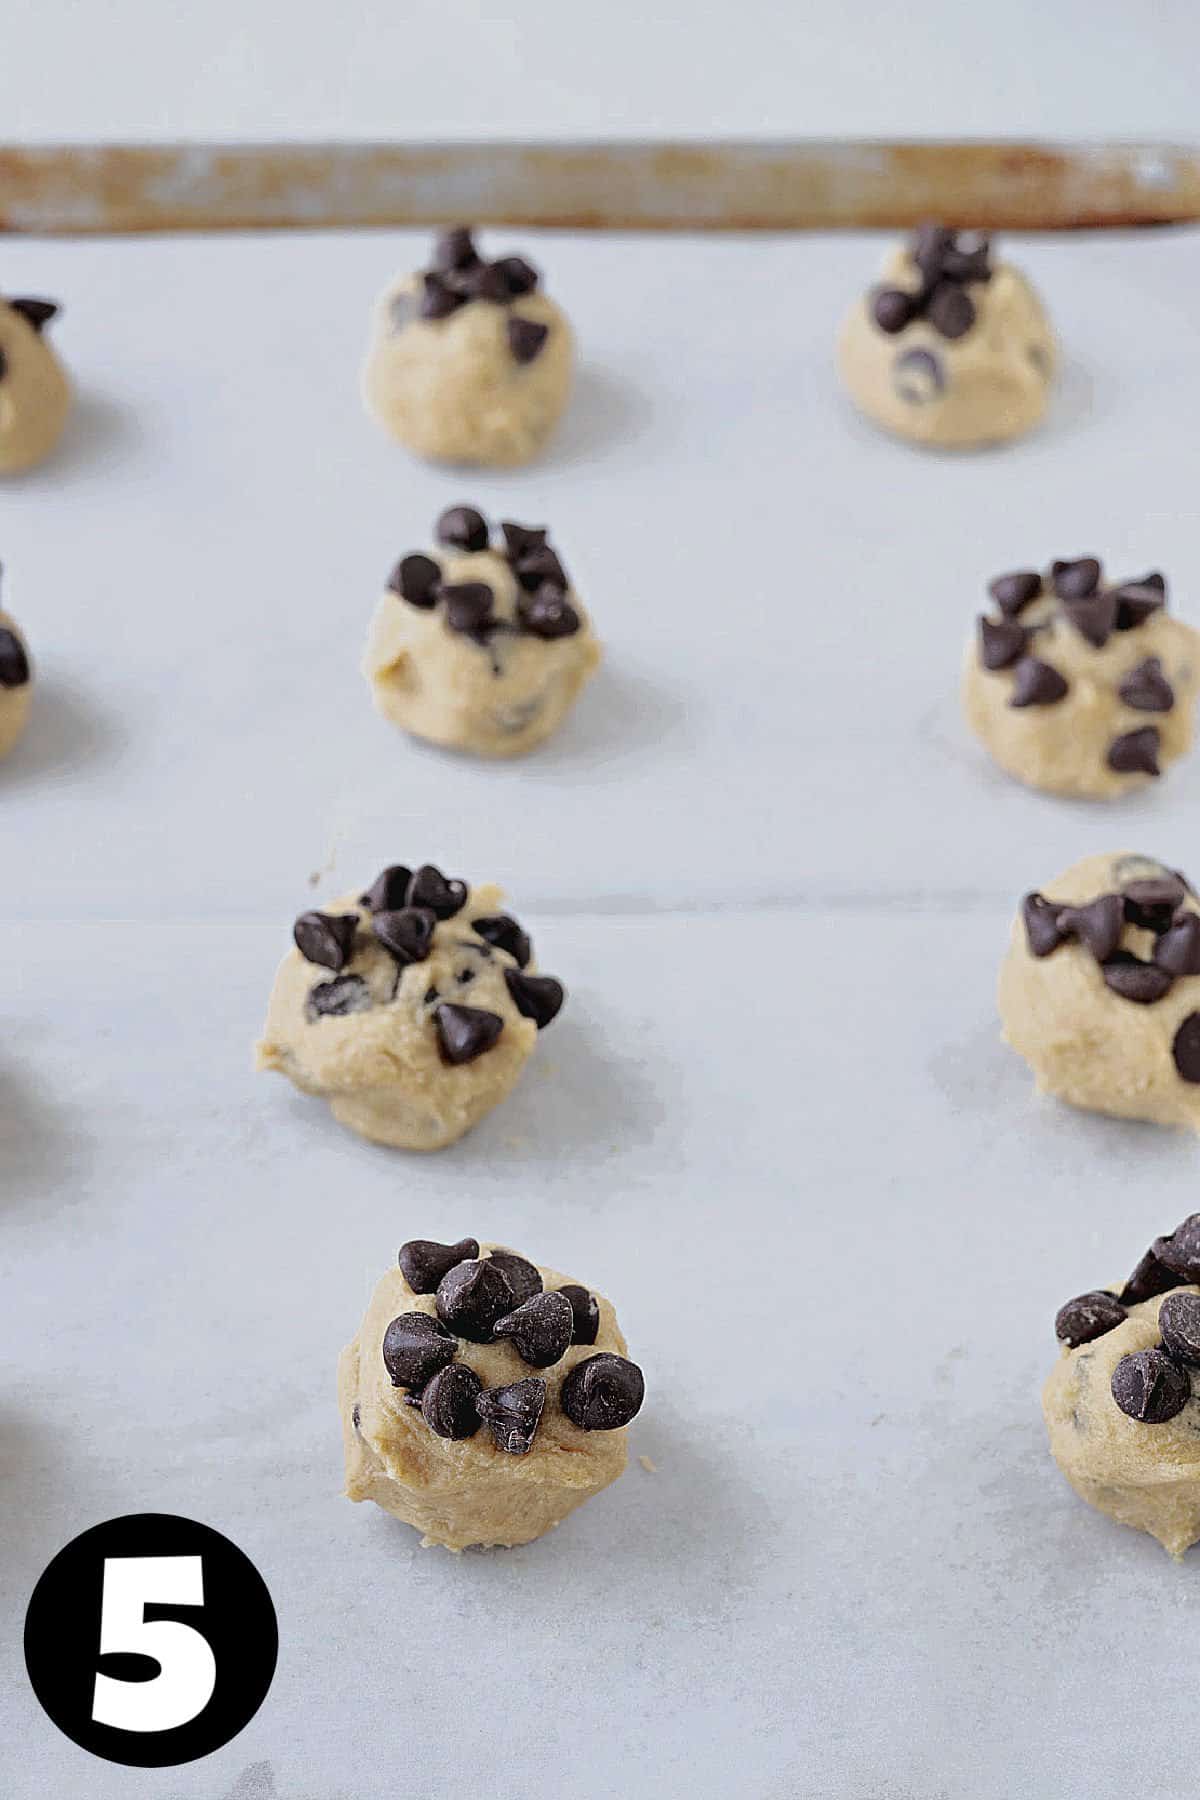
[775,1123]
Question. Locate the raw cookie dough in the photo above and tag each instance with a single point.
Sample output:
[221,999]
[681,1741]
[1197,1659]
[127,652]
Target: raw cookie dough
[1122,1405]
[411,1009]
[35,396]
[469,363]
[1100,989]
[480,647]
[1081,687]
[474,1437]
[951,350]
[16,683]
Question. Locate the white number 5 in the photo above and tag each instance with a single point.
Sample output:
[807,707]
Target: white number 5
[187,1669]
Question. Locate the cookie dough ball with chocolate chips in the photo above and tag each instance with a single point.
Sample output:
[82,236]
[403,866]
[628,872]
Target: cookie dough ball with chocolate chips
[470,362]
[1100,989]
[1079,686]
[35,396]
[482,644]
[1122,1404]
[411,1009]
[16,683]
[485,1397]
[950,349]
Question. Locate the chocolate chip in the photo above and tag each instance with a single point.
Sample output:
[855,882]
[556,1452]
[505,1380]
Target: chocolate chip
[1136,600]
[14,663]
[918,376]
[526,338]
[437,300]
[548,614]
[540,1329]
[423,1261]
[37,312]
[1094,616]
[1012,593]
[429,887]
[520,1273]
[455,249]
[483,281]
[1001,643]
[1178,949]
[520,277]
[463,527]
[1151,1277]
[602,1392]
[1073,580]
[585,1309]
[468,604]
[1179,1251]
[536,997]
[472,1296]
[1088,1317]
[334,999]
[1149,1387]
[1135,752]
[1151,903]
[522,540]
[892,309]
[465,1032]
[1040,917]
[950,311]
[448,1402]
[326,938]
[406,934]
[513,1413]
[504,932]
[929,246]
[538,566]
[1132,979]
[1179,1324]
[1098,925]
[415,579]
[1185,1048]
[1146,688]
[1035,683]
[356,1416]
[415,1347]
[388,891]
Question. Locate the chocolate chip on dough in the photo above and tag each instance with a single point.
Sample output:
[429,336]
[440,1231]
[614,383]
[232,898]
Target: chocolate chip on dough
[429,887]
[892,309]
[522,540]
[1135,752]
[1151,1277]
[520,1273]
[1072,580]
[1132,979]
[536,997]
[1178,949]
[1098,925]
[37,313]
[415,579]
[1087,1317]
[513,1413]
[1151,903]
[448,1402]
[950,311]
[471,1297]
[1136,600]
[465,1032]
[423,1261]
[437,300]
[519,276]
[468,604]
[1179,1324]
[540,1329]
[1035,683]
[1012,593]
[586,1310]
[326,938]
[407,934]
[14,663]
[503,931]
[1185,1048]
[388,891]
[1040,918]
[548,613]
[463,527]
[526,339]
[1149,1387]
[334,999]
[1146,688]
[415,1347]
[602,1392]
[455,249]
[1094,617]
[1179,1251]
[1001,643]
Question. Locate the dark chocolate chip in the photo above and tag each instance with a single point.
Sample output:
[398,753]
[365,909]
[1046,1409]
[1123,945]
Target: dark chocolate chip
[14,663]
[585,1309]
[526,338]
[950,310]
[1094,616]
[522,540]
[1151,1277]
[917,376]
[1135,752]
[429,887]
[602,1392]
[1012,593]
[415,1347]
[1035,683]
[463,527]
[472,1296]
[1136,600]
[437,300]
[455,249]
[482,281]
[1074,580]
[334,999]
[503,931]
[1088,1317]
[38,312]
[536,997]
[1132,979]
[1149,1387]
[448,1402]
[468,604]
[540,1329]
[1178,950]
[548,613]
[388,891]
[406,934]
[1151,903]
[538,566]
[465,1032]
[356,1416]
[1001,643]
[326,938]
[1180,1250]
[1146,688]
[1040,917]
[513,1413]
[1179,1324]
[520,1273]
[1098,925]
[892,309]
[519,277]
[415,579]
[929,246]
[423,1261]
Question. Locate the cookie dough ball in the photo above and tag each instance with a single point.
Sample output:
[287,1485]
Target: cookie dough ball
[951,350]
[16,683]
[1078,686]
[1123,1418]
[411,1009]
[485,1397]
[1100,989]
[469,363]
[35,396]
[481,645]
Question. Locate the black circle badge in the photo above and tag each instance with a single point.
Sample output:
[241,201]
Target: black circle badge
[151,1640]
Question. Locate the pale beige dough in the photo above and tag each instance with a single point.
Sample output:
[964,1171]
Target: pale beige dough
[15,699]
[380,1069]
[994,381]
[1084,1043]
[1147,1476]
[460,1492]
[35,395]
[1062,748]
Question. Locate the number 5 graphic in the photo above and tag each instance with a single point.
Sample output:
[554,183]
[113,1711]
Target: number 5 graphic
[187,1669]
